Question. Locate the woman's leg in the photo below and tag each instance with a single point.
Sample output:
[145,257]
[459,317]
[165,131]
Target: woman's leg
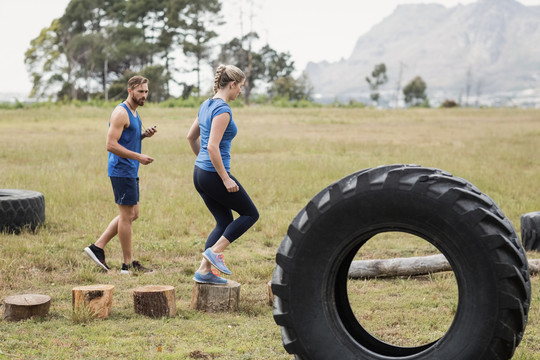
[220,202]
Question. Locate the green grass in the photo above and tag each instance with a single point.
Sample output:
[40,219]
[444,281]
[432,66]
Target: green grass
[283,157]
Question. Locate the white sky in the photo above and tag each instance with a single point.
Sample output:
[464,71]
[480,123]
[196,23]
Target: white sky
[309,30]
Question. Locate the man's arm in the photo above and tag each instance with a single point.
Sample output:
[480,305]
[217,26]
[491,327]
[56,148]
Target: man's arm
[120,121]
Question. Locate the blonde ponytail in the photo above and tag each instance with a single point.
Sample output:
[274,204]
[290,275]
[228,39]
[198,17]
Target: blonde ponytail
[225,74]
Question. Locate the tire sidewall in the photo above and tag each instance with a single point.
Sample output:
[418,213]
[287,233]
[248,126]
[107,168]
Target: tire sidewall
[21,209]
[332,235]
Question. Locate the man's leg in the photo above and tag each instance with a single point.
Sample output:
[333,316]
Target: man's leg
[128,214]
[96,251]
[108,234]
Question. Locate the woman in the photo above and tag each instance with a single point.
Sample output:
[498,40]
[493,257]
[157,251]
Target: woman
[210,138]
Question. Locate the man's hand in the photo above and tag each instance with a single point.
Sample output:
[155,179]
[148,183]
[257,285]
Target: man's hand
[149,132]
[145,159]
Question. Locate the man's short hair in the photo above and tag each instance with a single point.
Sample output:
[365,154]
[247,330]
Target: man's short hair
[136,81]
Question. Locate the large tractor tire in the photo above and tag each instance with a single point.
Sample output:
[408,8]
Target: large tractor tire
[530,231]
[21,209]
[310,280]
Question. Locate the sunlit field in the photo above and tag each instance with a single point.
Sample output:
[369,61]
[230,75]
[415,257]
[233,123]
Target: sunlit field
[283,157]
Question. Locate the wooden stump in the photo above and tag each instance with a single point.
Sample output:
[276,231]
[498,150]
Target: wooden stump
[215,298]
[269,293]
[21,307]
[155,301]
[97,299]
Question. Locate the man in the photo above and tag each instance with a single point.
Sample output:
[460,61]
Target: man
[124,145]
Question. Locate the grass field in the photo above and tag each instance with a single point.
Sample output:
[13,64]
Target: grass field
[283,157]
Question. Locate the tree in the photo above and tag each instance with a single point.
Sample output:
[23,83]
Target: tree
[292,89]
[278,73]
[200,16]
[378,78]
[236,52]
[96,42]
[265,65]
[277,65]
[46,61]
[415,92]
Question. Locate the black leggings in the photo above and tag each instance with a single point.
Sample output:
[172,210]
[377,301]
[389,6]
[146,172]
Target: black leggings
[220,202]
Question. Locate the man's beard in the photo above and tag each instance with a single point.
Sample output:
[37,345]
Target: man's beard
[139,102]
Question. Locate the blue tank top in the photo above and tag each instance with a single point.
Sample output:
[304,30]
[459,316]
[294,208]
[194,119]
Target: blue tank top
[131,140]
[207,112]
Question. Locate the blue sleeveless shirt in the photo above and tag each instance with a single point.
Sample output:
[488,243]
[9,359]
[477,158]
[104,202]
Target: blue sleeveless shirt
[207,112]
[131,140]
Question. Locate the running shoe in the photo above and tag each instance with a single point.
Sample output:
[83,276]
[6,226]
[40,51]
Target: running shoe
[97,255]
[218,260]
[135,266]
[209,278]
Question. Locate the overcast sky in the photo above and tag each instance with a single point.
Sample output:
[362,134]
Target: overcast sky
[309,30]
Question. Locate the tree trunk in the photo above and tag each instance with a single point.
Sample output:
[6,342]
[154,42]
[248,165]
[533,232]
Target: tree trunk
[412,266]
[95,298]
[215,298]
[155,301]
[398,267]
[21,307]
[105,73]
[534,266]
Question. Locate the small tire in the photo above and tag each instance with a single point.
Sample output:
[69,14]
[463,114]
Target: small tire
[21,209]
[310,279]
[530,231]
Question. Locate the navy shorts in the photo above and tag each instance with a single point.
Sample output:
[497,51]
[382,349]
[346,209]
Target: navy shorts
[126,190]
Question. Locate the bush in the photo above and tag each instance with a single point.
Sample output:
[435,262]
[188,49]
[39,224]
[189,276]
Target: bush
[449,103]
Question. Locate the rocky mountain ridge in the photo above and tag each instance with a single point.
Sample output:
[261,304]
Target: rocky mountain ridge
[484,51]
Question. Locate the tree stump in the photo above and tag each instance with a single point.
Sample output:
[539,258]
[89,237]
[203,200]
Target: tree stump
[97,299]
[215,298]
[155,301]
[269,293]
[21,307]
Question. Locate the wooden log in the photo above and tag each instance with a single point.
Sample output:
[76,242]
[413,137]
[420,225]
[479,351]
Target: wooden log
[97,299]
[215,298]
[155,301]
[534,266]
[21,307]
[399,267]
[412,266]
[269,294]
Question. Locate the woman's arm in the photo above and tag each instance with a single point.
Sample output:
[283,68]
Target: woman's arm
[194,137]
[219,124]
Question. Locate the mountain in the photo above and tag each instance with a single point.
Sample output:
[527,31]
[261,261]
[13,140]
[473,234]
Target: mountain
[484,51]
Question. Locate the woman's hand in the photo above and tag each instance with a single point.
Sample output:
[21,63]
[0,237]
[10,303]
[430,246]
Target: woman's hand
[231,185]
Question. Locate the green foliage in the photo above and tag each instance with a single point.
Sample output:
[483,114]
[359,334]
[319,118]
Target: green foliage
[291,89]
[95,43]
[378,78]
[190,102]
[448,103]
[415,92]
[196,40]
[265,65]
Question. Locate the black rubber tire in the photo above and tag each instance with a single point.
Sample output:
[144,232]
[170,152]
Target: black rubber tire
[310,280]
[21,209]
[530,231]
